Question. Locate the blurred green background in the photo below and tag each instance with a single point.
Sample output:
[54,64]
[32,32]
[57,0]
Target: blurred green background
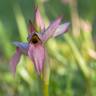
[72,56]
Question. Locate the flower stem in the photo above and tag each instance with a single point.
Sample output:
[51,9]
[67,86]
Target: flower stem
[45,89]
[40,86]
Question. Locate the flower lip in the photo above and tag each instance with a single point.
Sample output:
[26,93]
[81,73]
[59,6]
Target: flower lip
[34,39]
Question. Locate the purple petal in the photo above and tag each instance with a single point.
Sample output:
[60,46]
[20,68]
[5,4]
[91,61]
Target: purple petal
[51,29]
[22,46]
[61,29]
[37,55]
[39,20]
[15,59]
[31,28]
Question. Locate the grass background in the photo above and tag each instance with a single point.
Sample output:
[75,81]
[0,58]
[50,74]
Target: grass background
[72,56]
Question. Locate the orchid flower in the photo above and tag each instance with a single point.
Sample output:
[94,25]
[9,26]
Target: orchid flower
[35,48]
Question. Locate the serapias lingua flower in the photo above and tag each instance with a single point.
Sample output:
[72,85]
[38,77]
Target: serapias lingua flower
[34,48]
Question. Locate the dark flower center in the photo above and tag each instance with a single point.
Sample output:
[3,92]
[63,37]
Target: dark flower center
[35,39]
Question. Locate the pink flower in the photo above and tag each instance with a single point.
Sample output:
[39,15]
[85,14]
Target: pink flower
[35,46]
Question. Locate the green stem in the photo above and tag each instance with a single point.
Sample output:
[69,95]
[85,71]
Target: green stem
[40,86]
[45,89]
